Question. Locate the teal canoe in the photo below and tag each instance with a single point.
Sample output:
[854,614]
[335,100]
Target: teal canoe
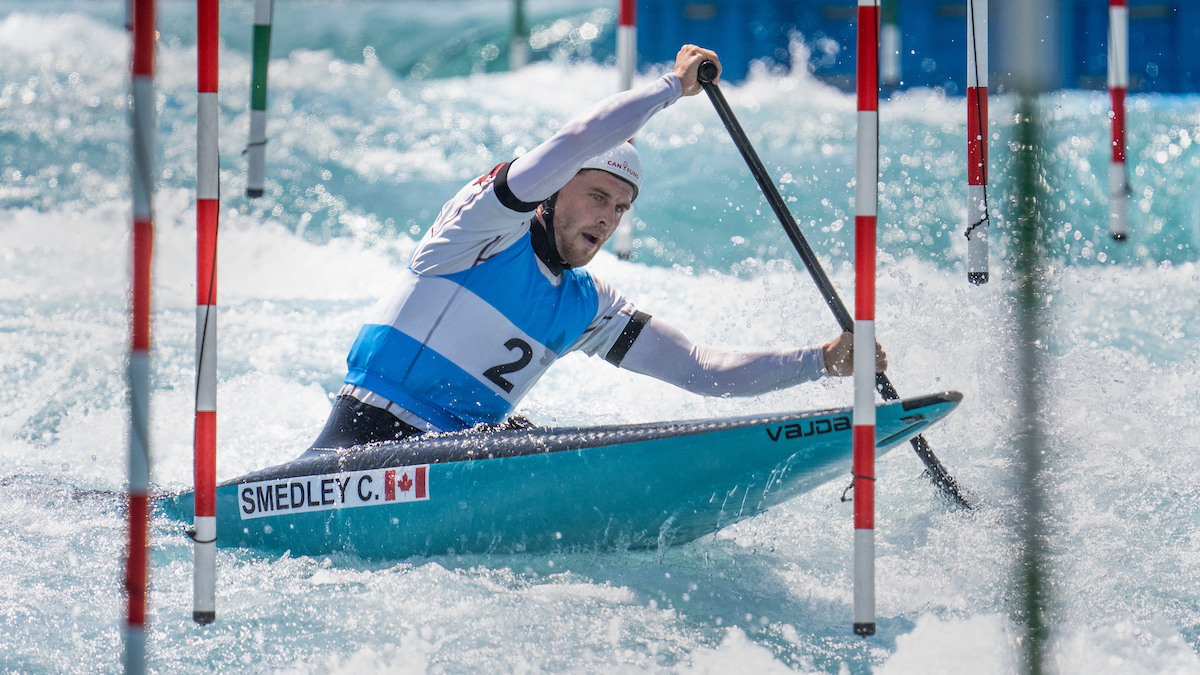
[538,489]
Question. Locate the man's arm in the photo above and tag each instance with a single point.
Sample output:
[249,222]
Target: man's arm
[544,170]
[492,213]
[839,356]
[664,353]
[541,172]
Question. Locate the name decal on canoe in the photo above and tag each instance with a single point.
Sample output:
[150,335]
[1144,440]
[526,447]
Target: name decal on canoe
[799,429]
[334,491]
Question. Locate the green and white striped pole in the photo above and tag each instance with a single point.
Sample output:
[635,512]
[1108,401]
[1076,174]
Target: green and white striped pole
[889,44]
[256,149]
[518,45]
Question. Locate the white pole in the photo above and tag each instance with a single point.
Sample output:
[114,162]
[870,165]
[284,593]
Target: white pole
[977,141]
[1118,85]
[626,64]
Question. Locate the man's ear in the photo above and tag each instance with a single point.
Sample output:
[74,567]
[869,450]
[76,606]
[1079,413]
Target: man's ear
[546,208]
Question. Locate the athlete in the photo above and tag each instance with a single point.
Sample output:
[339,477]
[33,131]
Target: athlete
[496,292]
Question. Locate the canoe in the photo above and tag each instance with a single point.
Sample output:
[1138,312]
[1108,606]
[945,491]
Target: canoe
[538,489]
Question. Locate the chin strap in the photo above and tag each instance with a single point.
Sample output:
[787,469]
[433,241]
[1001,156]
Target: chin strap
[542,238]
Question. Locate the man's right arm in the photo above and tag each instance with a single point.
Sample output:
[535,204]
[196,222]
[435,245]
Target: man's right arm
[491,213]
[544,170]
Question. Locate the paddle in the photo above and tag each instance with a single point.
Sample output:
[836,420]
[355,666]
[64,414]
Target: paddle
[707,72]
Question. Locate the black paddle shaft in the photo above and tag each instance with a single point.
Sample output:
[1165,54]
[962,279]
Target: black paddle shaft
[707,72]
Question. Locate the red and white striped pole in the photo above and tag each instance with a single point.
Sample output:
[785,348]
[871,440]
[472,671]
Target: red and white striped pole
[866,198]
[627,42]
[626,65]
[977,141]
[204,531]
[142,118]
[1118,85]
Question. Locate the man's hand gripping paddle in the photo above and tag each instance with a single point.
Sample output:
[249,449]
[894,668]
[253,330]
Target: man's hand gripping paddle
[707,73]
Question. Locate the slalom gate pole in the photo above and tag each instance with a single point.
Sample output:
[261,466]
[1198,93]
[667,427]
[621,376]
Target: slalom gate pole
[626,64]
[1118,85]
[1033,44]
[708,71]
[256,149]
[889,44]
[142,120]
[977,141]
[866,200]
[627,42]
[518,50]
[208,205]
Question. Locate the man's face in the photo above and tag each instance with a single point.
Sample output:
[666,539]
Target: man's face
[587,213]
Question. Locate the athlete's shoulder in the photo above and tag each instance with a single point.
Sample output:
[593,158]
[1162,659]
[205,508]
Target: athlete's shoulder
[496,181]
[473,226]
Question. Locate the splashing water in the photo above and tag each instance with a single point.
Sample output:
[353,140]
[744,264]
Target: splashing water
[365,146]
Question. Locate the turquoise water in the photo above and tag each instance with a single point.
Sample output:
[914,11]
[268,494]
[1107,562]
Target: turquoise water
[365,146]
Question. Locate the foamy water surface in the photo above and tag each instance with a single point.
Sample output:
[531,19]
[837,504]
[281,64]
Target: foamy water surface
[365,147]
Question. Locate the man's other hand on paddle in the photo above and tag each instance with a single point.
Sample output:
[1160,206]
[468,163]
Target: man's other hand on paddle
[687,64]
[839,356]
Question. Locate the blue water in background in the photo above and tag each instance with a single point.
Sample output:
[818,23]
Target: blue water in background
[378,113]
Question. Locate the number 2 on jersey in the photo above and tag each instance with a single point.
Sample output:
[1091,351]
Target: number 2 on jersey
[496,373]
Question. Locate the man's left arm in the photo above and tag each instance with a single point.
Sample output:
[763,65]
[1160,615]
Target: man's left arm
[633,340]
[663,352]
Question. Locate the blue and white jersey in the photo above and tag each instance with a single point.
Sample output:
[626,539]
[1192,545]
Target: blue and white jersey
[477,318]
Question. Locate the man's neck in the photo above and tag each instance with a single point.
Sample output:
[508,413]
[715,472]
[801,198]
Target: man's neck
[541,235]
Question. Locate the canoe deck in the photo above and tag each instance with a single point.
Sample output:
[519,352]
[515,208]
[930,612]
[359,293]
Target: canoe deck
[513,490]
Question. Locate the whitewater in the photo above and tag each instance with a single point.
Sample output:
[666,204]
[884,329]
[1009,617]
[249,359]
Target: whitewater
[378,112]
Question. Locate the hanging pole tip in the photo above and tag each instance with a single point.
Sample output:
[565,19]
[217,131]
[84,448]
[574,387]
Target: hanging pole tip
[978,278]
[205,618]
[864,629]
[1118,236]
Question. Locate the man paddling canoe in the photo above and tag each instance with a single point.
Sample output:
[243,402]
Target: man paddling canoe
[495,292]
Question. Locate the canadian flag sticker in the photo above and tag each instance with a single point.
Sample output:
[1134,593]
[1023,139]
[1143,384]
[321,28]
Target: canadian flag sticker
[408,486]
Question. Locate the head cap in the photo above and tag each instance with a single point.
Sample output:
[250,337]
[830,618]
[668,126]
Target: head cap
[622,162]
